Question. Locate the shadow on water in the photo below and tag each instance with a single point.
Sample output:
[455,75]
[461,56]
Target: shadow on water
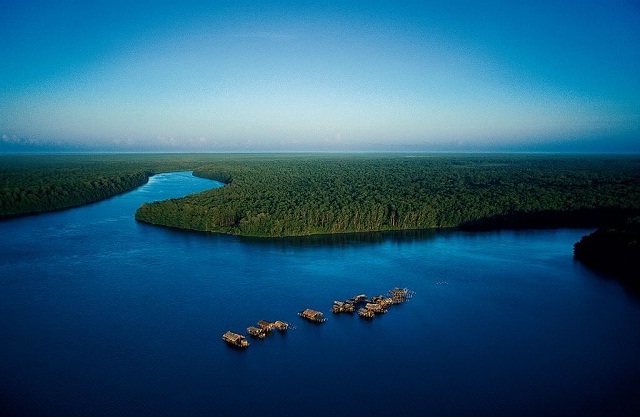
[341,240]
[628,283]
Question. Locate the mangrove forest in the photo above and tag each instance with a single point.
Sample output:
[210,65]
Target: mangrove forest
[274,195]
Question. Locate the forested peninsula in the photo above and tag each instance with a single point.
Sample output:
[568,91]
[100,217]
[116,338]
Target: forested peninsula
[294,195]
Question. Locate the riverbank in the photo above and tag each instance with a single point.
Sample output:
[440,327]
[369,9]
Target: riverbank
[40,183]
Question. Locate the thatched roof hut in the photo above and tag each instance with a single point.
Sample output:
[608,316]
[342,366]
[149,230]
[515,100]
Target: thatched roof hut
[235,339]
[312,315]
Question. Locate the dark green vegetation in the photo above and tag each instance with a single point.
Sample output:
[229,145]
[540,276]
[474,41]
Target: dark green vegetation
[37,183]
[291,195]
[615,251]
[301,195]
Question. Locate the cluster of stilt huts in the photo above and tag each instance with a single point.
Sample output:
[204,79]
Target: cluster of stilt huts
[366,308]
[260,332]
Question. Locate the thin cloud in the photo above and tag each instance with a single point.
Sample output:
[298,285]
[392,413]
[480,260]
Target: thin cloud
[266,35]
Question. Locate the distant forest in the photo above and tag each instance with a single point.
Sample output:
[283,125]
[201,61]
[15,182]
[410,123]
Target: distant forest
[295,194]
[38,183]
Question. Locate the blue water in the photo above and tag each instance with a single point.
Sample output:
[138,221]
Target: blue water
[103,316]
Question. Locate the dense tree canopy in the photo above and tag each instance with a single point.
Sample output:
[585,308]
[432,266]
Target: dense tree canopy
[38,183]
[289,195]
[301,195]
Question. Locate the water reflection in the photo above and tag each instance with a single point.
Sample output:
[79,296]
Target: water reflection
[350,239]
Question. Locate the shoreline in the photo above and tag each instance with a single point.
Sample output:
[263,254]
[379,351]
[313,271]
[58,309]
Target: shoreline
[566,220]
[13,216]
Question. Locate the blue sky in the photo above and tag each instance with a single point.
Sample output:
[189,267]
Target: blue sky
[320,76]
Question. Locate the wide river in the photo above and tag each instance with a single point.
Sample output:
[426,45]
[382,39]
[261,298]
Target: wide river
[103,316]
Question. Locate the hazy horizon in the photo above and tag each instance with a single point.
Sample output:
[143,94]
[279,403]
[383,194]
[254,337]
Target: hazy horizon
[116,76]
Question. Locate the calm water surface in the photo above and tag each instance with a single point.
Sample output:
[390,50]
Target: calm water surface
[103,316]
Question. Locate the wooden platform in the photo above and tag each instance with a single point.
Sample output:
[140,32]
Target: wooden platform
[312,315]
[235,339]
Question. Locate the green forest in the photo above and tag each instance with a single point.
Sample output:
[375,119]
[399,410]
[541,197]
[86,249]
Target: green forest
[38,183]
[271,195]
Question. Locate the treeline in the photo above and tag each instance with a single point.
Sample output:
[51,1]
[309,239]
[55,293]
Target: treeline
[290,195]
[38,183]
[302,195]
[615,251]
